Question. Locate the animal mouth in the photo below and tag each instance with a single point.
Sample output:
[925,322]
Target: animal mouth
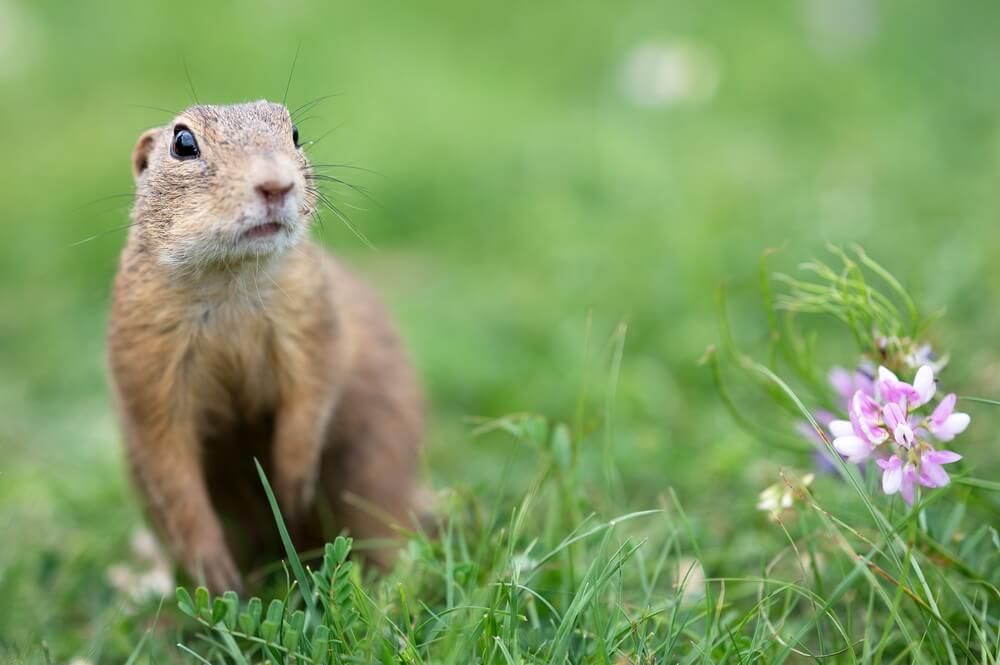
[265,230]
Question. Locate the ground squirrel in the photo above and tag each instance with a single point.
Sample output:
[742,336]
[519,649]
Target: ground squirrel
[232,336]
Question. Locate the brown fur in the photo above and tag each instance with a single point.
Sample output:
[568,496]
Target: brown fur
[222,349]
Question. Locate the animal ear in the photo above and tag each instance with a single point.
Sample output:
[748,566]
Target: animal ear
[143,147]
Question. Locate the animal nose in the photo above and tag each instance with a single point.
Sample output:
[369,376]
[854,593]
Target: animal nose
[274,191]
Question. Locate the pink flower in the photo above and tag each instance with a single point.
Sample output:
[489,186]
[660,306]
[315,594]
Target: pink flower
[846,383]
[908,483]
[850,442]
[805,428]
[924,355]
[892,422]
[944,424]
[856,438]
[892,476]
[891,389]
[888,420]
[865,417]
[896,421]
[903,478]
[931,474]
[852,447]
[842,382]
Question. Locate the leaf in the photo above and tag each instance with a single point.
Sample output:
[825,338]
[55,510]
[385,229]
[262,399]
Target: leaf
[184,602]
[535,428]
[218,610]
[275,611]
[247,624]
[255,608]
[232,602]
[290,637]
[250,620]
[298,620]
[562,448]
[341,548]
[269,631]
[320,644]
[202,603]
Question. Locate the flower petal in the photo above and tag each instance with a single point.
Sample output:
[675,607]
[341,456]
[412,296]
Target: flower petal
[769,504]
[944,409]
[842,382]
[891,389]
[884,383]
[908,483]
[954,425]
[941,457]
[886,374]
[892,479]
[893,415]
[823,417]
[864,381]
[924,384]
[864,413]
[841,428]
[889,463]
[854,448]
[920,356]
[932,475]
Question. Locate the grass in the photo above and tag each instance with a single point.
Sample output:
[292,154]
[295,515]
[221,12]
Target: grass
[523,583]
[548,247]
[547,579]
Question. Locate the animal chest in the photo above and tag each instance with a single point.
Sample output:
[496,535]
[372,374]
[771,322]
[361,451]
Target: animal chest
[233,365]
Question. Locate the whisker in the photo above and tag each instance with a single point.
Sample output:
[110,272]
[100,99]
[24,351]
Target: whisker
[187,73]
[347,204]
[329,178]
[268,275]
[342,166]
[100,235]
[314,210]
[357,188]
[288,83]
[102,199]
[256,285]
[310,144]
[310,104]
[154,108]
[319,218]
[246,294]
[321,197]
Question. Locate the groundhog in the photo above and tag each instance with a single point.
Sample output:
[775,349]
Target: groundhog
[232,336]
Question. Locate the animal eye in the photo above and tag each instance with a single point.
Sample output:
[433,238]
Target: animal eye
[184,146]
[295,136]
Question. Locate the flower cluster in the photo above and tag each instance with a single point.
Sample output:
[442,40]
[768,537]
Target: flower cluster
[779,497]
[844,383]
[888,421]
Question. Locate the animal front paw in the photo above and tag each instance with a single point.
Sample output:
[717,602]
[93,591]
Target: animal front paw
[296,493]
[214,567]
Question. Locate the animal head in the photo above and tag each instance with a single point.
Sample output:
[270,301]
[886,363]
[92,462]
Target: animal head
[222,184]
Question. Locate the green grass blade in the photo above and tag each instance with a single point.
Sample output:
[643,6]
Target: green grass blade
[305,589]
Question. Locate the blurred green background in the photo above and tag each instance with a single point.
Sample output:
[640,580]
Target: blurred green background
[539,166]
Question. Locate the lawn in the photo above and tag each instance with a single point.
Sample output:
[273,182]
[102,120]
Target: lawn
[561,193]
